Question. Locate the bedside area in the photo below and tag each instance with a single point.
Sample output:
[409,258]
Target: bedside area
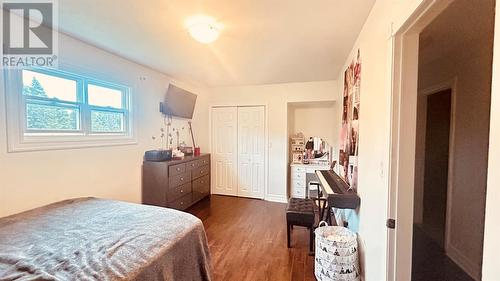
[176,184]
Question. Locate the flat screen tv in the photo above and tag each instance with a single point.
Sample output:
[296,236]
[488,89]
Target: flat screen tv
[179,103]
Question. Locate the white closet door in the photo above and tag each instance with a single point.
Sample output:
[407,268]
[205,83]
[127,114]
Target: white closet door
[251,151]
[224,150]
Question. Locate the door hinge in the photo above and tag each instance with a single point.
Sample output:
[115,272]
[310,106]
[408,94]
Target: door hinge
[391,223]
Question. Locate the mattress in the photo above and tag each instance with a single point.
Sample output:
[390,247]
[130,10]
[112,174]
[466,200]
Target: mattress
[96,239]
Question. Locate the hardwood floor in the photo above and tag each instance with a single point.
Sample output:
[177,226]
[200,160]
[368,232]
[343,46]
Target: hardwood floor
[247,240]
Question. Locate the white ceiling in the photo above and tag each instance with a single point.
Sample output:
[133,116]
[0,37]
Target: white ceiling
[263,41]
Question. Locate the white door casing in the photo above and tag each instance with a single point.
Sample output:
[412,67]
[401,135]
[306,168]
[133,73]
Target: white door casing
[224,150]
[251,151]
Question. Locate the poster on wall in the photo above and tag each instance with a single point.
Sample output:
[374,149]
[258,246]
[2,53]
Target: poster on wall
[349,133]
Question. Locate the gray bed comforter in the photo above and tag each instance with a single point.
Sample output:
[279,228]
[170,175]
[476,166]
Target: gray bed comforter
[95,239]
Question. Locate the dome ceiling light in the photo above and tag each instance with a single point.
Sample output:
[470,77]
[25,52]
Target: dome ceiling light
[203,29]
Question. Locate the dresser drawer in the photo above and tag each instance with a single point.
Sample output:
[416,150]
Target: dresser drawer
[174,193]
[192,165]
[181,203]
[179,180]
[176,169]
[197,196]
[201,183]
[205,160]
[200,172]
[201,188]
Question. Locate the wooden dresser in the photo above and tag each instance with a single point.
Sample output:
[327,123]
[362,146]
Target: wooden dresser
[176,184]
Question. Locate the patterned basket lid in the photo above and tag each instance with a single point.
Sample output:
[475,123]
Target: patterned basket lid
[338,234]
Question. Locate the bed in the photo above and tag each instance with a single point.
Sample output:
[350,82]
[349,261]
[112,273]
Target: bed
[96,239]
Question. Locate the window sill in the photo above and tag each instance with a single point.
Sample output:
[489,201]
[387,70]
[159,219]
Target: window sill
[30,145]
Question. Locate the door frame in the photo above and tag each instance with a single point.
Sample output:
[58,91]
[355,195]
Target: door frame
[266,139]
[404,91]
[452,85]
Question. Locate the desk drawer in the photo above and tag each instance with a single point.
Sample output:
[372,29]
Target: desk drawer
[298,183]
[298,169]
[298,192]
[298,176]
[179,180]
[177,192]
[176,169]
[182,203]
[200,172]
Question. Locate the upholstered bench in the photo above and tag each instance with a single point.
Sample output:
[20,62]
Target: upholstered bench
[300,212]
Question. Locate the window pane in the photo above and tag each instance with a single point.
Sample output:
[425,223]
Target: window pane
[106,97]
[107,122]
[42,85]
[49,117]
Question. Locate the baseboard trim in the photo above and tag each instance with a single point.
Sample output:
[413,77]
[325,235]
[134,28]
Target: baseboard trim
[463,262]
[276,198]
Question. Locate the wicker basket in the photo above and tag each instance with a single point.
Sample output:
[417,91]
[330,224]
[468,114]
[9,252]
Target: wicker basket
[336,254]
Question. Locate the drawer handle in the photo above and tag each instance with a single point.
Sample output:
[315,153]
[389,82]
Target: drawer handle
[182,203]
[192,165]
[202,182]
[178,169]
[202,171]
[182,191]
[182,179]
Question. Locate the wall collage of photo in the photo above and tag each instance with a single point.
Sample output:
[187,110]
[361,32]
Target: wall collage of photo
[349,132]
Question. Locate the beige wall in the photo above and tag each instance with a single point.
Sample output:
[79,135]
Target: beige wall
[470,66]
[276,97]
[309,118]
[491,268]
[31,179]
[385,19]
[375,43]
[469,63]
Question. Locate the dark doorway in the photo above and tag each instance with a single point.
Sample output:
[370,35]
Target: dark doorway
[437,153]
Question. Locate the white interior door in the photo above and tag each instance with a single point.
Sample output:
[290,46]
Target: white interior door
[251,151]
[224,150]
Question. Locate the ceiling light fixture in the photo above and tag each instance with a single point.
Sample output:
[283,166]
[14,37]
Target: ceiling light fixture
[203,29]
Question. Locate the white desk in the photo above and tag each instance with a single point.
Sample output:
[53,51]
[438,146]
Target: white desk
[299,178]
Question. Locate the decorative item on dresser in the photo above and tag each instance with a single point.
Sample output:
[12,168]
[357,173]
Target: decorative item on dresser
[176,184]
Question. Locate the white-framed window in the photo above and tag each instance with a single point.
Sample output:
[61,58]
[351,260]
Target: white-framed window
[54,109]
